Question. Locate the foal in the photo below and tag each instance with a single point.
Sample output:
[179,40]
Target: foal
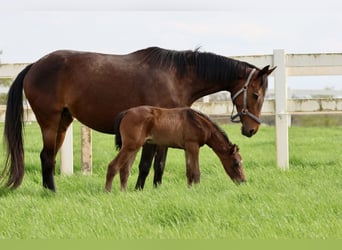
[182,128]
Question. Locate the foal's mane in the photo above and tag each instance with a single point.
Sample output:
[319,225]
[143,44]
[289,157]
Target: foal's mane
[193,117]
[207,66]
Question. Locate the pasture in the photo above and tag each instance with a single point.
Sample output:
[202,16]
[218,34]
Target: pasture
[301,203]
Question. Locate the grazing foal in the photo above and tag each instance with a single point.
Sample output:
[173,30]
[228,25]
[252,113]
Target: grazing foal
[181,128]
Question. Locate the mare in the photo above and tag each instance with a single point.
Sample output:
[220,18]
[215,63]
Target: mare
[182,128]
[94,88]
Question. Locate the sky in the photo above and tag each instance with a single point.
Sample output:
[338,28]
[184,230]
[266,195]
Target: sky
[32,28]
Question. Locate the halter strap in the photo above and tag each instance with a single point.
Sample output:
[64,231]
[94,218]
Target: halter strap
[244,110]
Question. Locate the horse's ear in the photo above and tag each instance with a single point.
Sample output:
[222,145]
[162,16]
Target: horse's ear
[234,149]
[266,70]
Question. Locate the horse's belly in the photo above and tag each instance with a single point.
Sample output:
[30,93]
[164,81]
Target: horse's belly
[167,139]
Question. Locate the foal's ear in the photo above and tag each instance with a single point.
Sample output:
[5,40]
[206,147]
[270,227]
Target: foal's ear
[234,149]
[266,70]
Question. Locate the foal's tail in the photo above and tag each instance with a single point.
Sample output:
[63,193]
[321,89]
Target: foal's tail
[13,137]
[117,122]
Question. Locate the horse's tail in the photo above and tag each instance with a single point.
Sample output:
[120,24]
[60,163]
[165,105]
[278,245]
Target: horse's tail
[13,136]
[117,122]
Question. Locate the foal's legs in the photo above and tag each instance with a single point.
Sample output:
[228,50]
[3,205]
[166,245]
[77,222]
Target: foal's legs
[192,163]
[125,170]
[147,154]
[122,162]
[159,165]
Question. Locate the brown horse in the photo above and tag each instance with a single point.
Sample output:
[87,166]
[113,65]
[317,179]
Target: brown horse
[94,88]
[181,128]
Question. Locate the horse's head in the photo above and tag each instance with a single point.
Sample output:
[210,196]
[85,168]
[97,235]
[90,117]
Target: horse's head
[248,97]
[234,166]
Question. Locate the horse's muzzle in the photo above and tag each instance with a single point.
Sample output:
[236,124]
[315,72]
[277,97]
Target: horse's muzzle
[240,181]
[248,132]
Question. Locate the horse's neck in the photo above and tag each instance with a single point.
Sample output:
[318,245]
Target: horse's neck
[218,143]
[198,88]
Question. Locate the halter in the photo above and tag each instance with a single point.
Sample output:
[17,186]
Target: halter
[244,110]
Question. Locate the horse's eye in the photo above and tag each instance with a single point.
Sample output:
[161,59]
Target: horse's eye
[237,163]
[256,96]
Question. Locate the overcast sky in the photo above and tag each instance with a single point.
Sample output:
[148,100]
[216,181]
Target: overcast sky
[32,28]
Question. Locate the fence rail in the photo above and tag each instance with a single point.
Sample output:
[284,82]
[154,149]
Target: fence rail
[281,107]
[224,108]
[294,107]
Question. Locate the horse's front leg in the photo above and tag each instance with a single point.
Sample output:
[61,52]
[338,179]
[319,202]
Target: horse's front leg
[146,159]
[159,165]
[192,163]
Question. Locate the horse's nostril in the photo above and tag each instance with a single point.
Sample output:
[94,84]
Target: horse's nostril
[251,132]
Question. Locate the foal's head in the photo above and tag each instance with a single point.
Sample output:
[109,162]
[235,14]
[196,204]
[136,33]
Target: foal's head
[234,166]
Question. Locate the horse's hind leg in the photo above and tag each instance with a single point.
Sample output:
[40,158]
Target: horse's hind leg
[146,159]
[53,136]
[122,162]
[126,169]
[66,120]
[159,165]
[47,157]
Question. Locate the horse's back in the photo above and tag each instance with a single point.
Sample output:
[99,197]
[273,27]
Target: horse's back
[92,87]
[161,126]
[64,69]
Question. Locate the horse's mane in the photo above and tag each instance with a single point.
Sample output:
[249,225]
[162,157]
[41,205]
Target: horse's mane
[193,116]
[207,66]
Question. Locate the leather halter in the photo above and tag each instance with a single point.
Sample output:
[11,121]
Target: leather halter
[244,110]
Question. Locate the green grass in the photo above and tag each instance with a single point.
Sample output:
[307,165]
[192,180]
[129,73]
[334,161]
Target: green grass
[303,202]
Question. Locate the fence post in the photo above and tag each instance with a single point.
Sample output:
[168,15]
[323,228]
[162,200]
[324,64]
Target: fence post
[206,99]
[86,151]
[281,117]
[66,154]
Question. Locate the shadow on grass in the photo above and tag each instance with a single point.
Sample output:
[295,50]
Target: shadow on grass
[5,191]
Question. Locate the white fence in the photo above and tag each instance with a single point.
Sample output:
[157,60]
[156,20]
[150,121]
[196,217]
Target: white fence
[294,65]
[281,107]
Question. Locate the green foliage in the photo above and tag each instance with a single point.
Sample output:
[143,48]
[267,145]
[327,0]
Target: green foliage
[303,202]
[6,82]
[3,99]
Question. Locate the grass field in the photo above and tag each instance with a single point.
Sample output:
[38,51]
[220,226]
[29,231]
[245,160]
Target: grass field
[303,202]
